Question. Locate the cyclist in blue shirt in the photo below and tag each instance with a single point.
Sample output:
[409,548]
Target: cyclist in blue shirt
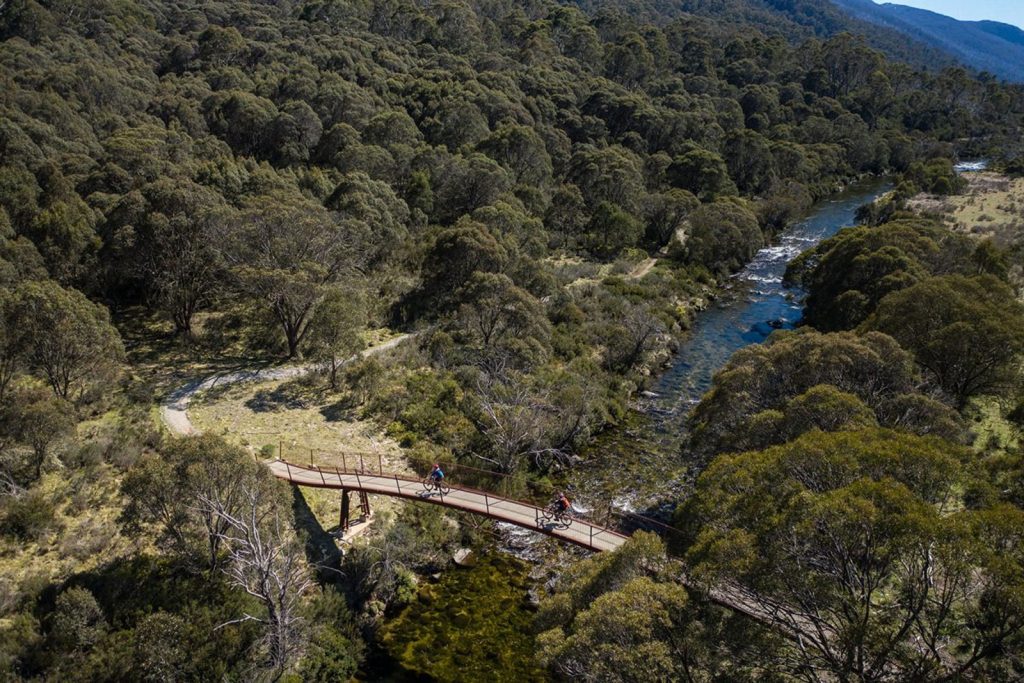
[437,474]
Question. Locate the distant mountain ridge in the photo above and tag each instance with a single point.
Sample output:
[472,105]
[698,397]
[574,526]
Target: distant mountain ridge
[795,20]
[920,38]
[983,45]
[1007,32]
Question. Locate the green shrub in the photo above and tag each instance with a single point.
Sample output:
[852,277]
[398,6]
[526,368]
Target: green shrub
[77,622]
[29,516]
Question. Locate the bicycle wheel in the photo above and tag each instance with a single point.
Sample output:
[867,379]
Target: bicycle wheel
[443,487]
[428,484]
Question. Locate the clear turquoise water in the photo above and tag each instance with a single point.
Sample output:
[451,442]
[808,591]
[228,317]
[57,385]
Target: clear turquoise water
[754,304]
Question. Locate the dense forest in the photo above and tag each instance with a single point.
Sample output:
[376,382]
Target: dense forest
[276,180]
[794,20]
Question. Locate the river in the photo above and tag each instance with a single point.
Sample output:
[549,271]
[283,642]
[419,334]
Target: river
[637,466]
[753,304]
[640,467]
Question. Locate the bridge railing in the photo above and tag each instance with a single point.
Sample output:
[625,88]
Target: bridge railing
[488,483]
[595,529]
[374,461]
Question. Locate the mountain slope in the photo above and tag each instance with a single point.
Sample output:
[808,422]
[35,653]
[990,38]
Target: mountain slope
[984,45]
[795,20]
[1007,32]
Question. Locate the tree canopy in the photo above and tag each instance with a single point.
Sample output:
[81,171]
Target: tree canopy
[542,195]
[967,333]
[805,380]
[859,536]
[847,275]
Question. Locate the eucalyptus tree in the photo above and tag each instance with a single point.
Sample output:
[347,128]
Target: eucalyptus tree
[68,340]
[336,329]
[858,544]
[285,253]
[798,381]
[967,333]
[39,422]
[617,616]
[164,235]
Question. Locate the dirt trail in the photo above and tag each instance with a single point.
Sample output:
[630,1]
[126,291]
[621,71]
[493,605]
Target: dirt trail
[174,407]
[642,269]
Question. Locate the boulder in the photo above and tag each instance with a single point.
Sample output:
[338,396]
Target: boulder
[464,557]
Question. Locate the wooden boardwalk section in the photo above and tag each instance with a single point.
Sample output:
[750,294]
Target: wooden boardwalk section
[526,515]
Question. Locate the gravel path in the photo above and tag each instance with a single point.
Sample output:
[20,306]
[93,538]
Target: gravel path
[174,407]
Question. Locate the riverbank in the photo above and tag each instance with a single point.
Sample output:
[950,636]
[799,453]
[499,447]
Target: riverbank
[636,466]
[639,466]
[990,208]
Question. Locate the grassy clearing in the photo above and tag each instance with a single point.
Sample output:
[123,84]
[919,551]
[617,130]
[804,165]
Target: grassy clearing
[573,271]
[992,207]
[295,416]
[166,362]
[298,416]
[82,535]
[66,523]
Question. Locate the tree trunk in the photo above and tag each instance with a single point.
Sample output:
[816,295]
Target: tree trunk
[40,454]
[6,373]
[183,323]
[293,341]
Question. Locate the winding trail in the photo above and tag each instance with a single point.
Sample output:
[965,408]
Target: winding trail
[174,413]
[581,532]
[642,269]
[174,407]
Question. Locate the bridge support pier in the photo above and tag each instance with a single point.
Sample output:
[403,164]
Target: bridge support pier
[364,507]
[343,523]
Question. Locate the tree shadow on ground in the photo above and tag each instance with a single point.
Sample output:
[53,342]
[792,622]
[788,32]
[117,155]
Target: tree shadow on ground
[296,394]
[340,411]
[274,400]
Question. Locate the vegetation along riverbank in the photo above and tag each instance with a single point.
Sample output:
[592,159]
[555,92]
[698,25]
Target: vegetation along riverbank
[544,201]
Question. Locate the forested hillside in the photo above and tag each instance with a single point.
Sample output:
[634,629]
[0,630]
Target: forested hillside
[795,20]
[547,196]
[983,45]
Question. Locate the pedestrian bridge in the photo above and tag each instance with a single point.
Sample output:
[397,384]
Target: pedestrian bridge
[528,516]
[581,532]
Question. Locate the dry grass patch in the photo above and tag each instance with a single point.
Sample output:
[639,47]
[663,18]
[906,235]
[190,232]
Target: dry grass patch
[992,207]
[299,416]
[82,535]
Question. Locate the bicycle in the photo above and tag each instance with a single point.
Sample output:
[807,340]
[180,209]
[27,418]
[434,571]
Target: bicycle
[430,484]
[554,515]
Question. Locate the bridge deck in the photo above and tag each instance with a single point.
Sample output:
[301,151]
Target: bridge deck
[580,531]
